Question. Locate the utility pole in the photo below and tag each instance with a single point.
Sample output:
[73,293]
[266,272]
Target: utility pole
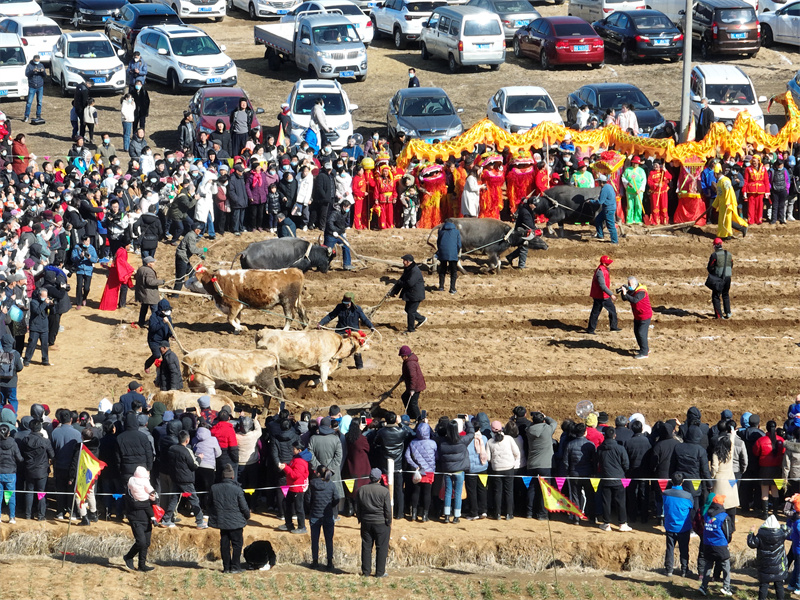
[687,68]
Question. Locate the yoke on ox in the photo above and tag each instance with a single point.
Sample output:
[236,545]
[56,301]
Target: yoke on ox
[233,291]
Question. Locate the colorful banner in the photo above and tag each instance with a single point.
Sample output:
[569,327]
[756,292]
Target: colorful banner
[89,467]
[554,501]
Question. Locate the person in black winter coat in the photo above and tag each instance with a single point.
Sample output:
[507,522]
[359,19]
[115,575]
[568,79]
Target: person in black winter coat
[57,292]
[81,101]
[770,556]
[91,443]
[526,221]
[237,197]
[322,499]
[141,99]
[349,317]
[693,420]
[8,385]
[448,251]
[109,481]
[39,327]
[133,449]
[10,457]
[412,285]
[228,512]
[149,231]
[158,331]
[692,460]
[390,443]
[36,455]
[182,464]
[638,449]
[168,374]
[322,196]
[577,462]
[336,231]
[612,464]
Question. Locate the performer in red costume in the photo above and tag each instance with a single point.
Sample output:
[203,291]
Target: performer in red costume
[493,178]
[433,194]
[384,192]
[520,178]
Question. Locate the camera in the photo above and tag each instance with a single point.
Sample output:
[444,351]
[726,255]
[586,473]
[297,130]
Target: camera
[619,290]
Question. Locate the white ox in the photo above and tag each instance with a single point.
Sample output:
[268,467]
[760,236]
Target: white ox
[320,351]
[207,368]
[180,400]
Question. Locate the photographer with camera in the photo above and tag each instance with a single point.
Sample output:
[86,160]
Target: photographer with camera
[84,258]
[637,295]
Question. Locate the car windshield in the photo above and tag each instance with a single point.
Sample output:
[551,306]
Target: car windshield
[215,106]
[151,20]
[479,28]
[517,105]
[426,107]
[423,7]
[91,49]
[13,1]
[615,100]
[653,22]
[334,34]
[304,103]
[196,45]
[573,29]
[513,6]
[12,56]
[730,16]
[40,30]
[740,93]
[346,9]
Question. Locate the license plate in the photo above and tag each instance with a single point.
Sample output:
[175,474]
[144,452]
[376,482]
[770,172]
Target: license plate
[430,140]
[370,5]
[520,23]
[580,48]
[104,20]
[214,80]
[283,11]
[358,25]
[44,54]
[643,134]
[3,92]
[99,79]
[661,42]
[347,74]
[738,36]
[205,9]
[483,46]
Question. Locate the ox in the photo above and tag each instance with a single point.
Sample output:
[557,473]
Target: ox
[491,237]
[565,203]
[207,368]
[233,291]
[178,400]
[283,253]
[318,350]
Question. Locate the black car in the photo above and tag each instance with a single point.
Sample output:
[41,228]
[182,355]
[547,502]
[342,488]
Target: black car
[601,96]
[124,27]
[83,13]
[641,34]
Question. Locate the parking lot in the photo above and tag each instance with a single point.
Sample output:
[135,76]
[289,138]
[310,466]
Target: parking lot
[470,89]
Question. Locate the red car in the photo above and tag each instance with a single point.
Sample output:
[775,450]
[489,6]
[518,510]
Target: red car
[212,103]
[560,41]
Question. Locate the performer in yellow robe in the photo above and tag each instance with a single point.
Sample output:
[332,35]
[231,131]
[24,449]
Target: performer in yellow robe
[725,205]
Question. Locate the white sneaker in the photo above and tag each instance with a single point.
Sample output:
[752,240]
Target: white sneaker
[606,527]
[265,567]
[796,593]
[625,527]
[305,228]
[12,521]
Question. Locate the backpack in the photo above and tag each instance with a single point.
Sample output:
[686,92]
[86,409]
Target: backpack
[7,367]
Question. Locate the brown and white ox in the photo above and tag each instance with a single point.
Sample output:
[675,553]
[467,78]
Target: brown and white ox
[321,351]
[207,368]
[235,290]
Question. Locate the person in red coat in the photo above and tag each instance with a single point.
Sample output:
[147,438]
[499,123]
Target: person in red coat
[602,296]
[756,186]
[226,436]
[592,433]
[658,184]
[297,483]
[120,278]
[769,450]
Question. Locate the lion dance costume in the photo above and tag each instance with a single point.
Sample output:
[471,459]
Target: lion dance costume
[433,185]
[384,192]
[520,178]
[493,177]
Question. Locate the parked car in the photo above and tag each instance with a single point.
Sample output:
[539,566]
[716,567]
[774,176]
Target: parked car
[640,34]
[83,13]
[124,27]
[560,41]
[402,19]
[522,107]
[38,34]
[82,56]
[767,6]
[208,105]
[463,35]
[198,9]
[347,9]
[425,113]
[184,57]
[782,26]
[12,67]
[599,97]
[594,10]
[19,8]
[338,109]
[729,91]
[264,8]
[725,27]
[793,87]
[675,9]
[513,13]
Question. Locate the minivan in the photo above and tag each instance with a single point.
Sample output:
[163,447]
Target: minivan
[464,35]
[676,9]
[12,67]
[725,27]
[594,10]
[729,91]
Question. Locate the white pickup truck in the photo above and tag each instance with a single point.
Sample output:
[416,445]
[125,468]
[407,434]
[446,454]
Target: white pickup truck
[326,46]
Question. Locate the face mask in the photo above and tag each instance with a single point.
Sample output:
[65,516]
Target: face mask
[294,163]
[272,171]
[138,87]
[171,159]
[375,137]
[410,75]
[106,142]
[290,179]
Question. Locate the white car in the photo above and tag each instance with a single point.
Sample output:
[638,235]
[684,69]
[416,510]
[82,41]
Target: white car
[338,110]
[264,8]
[729,91]
[782,25]
[198,9]
[402,19]
[84,56]
[19,8]
[12,67]
[38,34]
[348,9]
[766,6]
[184,57]
[522,107]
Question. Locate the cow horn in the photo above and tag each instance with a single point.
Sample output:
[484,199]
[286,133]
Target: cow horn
[319,237]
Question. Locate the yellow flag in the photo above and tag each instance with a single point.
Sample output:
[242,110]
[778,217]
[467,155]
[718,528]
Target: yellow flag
[595,481]
[484,479]
[250,491]
[89,467]
[696,483]
[555,501]
[779,483]
[349,483]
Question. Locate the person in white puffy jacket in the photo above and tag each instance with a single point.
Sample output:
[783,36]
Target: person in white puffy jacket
[503,454]
[305,187]
[204,209]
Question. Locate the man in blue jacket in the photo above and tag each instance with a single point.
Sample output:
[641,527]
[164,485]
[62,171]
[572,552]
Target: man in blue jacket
[350,316]
[35,73]
[608,209]
[84,258]
[448,249]
[678,514]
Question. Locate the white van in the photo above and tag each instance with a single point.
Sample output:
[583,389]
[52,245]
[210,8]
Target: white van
[464,35]
[12,67]
[594,10]
[729,91]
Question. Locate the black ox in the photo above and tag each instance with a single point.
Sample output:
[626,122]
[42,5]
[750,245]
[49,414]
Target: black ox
[565,203]
[284,253]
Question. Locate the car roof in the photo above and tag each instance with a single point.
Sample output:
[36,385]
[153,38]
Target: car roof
[329,3]
[151,8]
[421,92]
[31,20]
[222,91]
[726,3]
[605,87]
[647,12]
[464,11]
[530,90]
[178,30]
[318,85]
[74,36]
[328,19]
[722,73]
[9,39]
[563,20]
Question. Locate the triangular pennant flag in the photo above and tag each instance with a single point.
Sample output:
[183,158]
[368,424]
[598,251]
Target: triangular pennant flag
[117,496]
[560,482]
[7,495]
[779,483]
[625,482]
[484,479]
[662,483]
[527,481]
[350,484]
[556,502]
[250,491]
[230,162]
[285,490]
[732,482]
[40,495]
[696,483]
[186,494]
[47,158]
[595,481]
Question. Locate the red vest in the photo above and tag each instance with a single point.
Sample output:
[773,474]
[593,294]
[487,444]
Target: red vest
[641,309]
[596,292]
